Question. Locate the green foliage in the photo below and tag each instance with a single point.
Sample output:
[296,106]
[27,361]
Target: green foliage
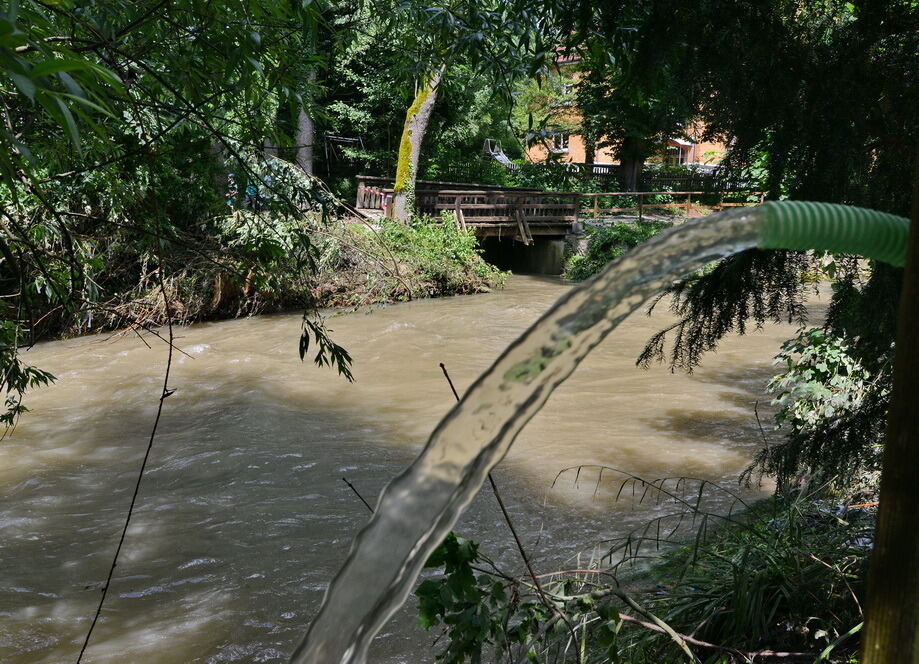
[832,411]
[633,116]
[361,264]
[471,607]
[120,128]
[444,258]
[50,79]
[17,376]
[608,243]
[544,104]
[786,574]
[785,577]
[755,285]
[821,380]
[328,353]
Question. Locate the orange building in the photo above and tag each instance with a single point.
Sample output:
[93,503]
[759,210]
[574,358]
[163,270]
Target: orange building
[567,145]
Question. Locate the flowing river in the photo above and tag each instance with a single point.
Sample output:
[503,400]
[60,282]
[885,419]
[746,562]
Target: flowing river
[243,516]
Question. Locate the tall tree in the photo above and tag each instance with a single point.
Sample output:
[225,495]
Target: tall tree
[501,39]
[413,132]
[629,117]
[892,608]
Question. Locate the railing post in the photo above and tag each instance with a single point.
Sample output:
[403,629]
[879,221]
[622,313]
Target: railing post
[386,201]
[596,207]
[460,217]
[688,203]
[640,204]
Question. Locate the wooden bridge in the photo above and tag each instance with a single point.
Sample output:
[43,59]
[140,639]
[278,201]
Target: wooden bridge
[526,214]
[491,211]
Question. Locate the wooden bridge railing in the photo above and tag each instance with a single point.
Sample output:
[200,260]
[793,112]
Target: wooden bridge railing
[494,210]
[500,206]
[491,211]
[687,205]
[371,190]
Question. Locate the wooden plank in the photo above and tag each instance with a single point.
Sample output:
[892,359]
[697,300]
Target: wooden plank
[617,210]
[523,227]
[476,221]
[460,218]
[642,193]
[507,206]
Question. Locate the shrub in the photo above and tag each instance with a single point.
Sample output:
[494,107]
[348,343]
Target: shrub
[396,261]
[609,243]
[827,402]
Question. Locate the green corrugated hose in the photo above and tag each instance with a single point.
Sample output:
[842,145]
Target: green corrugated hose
[838,228]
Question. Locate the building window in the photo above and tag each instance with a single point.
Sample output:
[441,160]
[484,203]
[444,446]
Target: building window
[677,155]
[559,143]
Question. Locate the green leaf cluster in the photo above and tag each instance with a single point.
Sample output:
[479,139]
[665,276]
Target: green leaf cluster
[474,608]
[608,243]
[821,380]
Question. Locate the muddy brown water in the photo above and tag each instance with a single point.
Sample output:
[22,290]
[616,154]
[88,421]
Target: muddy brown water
[243,517]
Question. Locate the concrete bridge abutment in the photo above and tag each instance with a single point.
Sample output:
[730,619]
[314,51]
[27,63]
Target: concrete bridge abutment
[545,256]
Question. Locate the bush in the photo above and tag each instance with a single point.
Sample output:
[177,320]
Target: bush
[396,261]
[787,577]
[609,243]
[827,402]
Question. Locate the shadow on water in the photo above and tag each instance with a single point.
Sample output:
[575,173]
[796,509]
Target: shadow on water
[242,520]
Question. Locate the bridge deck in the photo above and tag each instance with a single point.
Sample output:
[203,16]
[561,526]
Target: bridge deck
[524,213]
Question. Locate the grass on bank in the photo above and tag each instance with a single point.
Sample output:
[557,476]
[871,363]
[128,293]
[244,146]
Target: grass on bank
[780,581]
[392,261]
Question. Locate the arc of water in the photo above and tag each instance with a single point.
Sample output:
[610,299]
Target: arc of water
[418,508]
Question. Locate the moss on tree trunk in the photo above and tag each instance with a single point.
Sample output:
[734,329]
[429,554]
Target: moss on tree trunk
[416,123]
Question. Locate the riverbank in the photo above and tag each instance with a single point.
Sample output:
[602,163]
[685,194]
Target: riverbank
[389,261]
[345,263]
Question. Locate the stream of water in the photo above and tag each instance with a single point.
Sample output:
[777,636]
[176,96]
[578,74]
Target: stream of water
[243,517]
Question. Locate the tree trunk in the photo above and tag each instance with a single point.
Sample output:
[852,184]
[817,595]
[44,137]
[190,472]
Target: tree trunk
[220,165]
[631,172]
[632,155]
[305,137]
[590,146]
[892,607]
[305,140]
[416,123]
